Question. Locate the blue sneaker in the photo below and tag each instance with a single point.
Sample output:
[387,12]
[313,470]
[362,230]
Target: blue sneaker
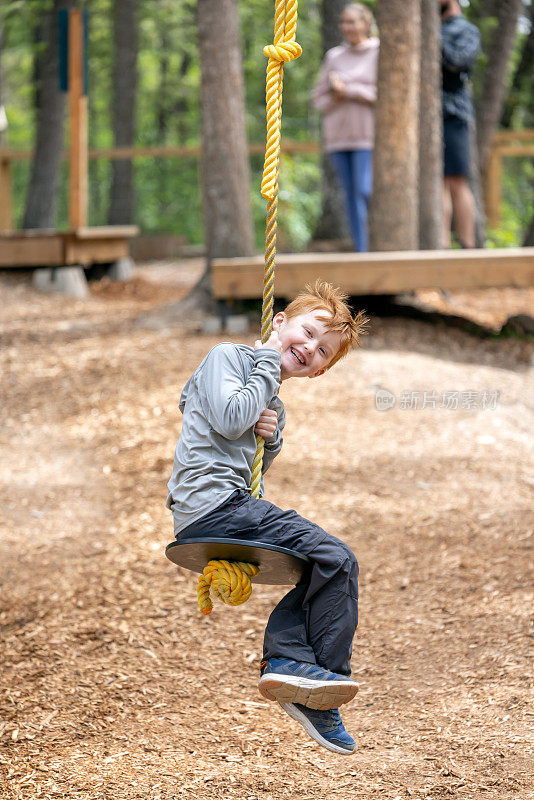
[289,681]
[325,727]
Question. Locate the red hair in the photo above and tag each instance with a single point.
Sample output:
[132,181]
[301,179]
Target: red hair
[333,301]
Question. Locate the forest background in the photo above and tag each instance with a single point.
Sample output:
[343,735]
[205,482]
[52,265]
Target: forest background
[167,197]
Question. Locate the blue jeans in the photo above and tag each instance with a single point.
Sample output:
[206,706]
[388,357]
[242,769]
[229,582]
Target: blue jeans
[315,621]
[355,170]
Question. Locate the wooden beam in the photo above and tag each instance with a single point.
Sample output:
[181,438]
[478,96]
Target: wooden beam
[493,187]
[515,149]
[164,151]
[6,197]
[78,124]
[514,136]
[107,232]
[159,151]
[85,246]
[38,250]
[508,144]
[9,154]
[168,151]
[94,250]
[378,273]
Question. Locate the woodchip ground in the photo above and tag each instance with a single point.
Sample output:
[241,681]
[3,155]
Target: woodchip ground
[113,684]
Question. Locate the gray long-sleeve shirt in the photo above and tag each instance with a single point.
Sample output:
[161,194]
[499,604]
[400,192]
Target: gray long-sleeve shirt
[221,403]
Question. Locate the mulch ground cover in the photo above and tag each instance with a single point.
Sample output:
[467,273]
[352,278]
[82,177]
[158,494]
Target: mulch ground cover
[115,686]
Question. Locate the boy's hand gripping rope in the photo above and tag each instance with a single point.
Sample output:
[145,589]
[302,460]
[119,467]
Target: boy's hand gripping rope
[231,580]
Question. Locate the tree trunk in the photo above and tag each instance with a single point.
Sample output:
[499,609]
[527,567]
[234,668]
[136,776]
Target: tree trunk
[332,222]
[2,111]
[124,95]
[475,182]
[490,105]
[41,201]
[523,73]
[529,237]
[430,131]
[394,213]
[225,171]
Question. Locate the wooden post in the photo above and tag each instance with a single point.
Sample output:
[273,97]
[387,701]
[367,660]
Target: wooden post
[6,195]
[78,124]
[493,186]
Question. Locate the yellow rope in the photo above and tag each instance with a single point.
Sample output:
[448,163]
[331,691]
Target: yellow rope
[284,48]
[231,580]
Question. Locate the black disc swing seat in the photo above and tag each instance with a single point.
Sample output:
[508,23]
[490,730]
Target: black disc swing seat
[228,567]
[278,566]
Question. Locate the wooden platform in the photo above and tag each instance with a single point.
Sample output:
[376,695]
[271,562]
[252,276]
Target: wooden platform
[82,247]
[377,273]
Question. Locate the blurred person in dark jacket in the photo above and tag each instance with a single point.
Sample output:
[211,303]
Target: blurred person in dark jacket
[460,43]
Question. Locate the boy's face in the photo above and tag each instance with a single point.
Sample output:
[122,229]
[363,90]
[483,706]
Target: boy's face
[307,344]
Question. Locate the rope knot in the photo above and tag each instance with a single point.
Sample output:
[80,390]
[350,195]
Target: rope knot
[230,581]
[283,51]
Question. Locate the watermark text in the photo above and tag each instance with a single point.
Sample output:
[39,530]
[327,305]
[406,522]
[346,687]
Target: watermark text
[450,400]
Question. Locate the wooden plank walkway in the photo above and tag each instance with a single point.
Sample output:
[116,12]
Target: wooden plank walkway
[50,248]
[378,273]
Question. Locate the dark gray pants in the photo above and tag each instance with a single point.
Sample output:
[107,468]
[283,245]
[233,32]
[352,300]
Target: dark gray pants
[315,621]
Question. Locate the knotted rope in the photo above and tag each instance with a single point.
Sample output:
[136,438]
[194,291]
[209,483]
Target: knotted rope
[230,581]
[232,584]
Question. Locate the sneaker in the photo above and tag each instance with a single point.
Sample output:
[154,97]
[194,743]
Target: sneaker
[325,727]
[289,681]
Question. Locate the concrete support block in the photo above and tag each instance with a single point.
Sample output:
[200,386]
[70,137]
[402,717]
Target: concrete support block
[521,324]
[237,324]
[121,270]
[66,280]
[211,326]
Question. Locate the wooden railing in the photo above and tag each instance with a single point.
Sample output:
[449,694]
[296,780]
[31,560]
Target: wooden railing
[505,144]
[7,156]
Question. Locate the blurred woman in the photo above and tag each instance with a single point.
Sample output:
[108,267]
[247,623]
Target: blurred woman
[345,94]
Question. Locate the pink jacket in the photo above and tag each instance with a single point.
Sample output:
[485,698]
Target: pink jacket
[348,124]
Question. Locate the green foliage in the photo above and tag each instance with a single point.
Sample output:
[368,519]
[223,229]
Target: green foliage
[517,207]
[298,201]
[167,190]
[299,198]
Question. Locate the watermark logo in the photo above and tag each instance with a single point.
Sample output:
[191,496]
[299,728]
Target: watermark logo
[410,400]
[384,400]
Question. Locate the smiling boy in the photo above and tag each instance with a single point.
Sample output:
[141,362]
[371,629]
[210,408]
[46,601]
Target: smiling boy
[231,397]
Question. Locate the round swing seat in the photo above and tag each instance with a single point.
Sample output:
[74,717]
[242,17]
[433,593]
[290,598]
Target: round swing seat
[278,566]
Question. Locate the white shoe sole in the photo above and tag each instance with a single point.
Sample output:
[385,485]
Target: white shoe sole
[308,727]
[319,695]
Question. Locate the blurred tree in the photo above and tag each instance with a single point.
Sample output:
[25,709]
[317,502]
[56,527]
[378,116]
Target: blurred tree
[124,102]
[520,94]
[2,111]
[225,174]
[519,105]
[491,99]
[529,237]
[42,196]
[332,222]
[172,105]
[430,131]
[394,215]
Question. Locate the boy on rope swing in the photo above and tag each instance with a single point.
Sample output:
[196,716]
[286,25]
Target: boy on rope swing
[231,397]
